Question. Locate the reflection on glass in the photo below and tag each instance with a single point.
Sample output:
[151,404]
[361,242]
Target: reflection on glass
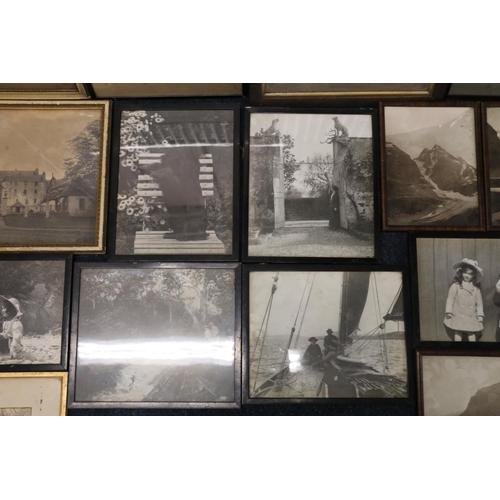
[156,335]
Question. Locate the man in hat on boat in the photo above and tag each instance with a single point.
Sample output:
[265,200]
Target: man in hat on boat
[13,329]
[331,343]
[313,356]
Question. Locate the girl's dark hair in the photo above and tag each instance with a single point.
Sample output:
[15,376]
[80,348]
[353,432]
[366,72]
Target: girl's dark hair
[458,275]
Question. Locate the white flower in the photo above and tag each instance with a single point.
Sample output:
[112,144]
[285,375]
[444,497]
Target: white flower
[121,206]
[130,211]
[140,201]
[132,198]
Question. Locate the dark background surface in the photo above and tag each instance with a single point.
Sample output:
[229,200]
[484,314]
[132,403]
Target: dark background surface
[395,251]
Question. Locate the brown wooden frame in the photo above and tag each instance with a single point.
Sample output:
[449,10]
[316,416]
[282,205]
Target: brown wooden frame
[259,96]
[420,353]
[486,160]
[480,173]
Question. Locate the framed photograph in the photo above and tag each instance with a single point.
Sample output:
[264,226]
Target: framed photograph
[458,383]
[155,335]
[38,394]
[431,167]
[474,90]
[328,93]
[43,91]
[176,181]
[325,334]
[457,288]
[35,293]
[491,151]
[117,90]
[53,175]
[310,185]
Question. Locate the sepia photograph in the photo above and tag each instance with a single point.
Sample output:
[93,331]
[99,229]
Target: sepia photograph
[176,182]
[311,180]
[155,335]
[52,175]
[33,329]
[458,289]
[37,394]
[326,335]
[431,168]
[459,384]
[491,138]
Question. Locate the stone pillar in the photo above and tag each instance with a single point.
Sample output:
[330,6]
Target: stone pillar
[266,191]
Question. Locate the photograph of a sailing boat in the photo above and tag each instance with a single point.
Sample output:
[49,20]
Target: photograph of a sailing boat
[155,335]
[491,151]
[431,167]
[319,334]
[458,383]
[456,293]
[310,185]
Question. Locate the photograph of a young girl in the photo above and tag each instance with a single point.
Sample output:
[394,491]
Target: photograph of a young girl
[459,289]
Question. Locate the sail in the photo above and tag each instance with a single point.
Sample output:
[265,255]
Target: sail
[396,311]
[354,294]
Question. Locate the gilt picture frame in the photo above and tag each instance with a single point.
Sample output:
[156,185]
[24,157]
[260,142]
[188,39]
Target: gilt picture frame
[44,91]
[288,308]
[274,94]
[432,170]
[33,394]
[177,344]
[54,175]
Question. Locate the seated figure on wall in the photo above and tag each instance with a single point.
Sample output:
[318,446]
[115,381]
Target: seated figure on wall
[177,174]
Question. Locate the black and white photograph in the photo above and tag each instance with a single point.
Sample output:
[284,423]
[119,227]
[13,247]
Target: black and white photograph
[155,335]
[326,334]
[459,385]
[33,329]
[53,175]
[431,174]
[176,181]
[491,137]
[310,184]
[459,289]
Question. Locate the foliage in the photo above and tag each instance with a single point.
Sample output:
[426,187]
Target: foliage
[290,165]
[83,166]
[159,302]
[318,174]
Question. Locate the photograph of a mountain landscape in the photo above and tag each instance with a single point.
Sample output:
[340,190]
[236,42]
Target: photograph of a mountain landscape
[492,162]
[430,168]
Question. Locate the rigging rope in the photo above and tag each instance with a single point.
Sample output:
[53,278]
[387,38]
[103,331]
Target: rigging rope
[383,346]
[268,312]
[292,331]
[305,309]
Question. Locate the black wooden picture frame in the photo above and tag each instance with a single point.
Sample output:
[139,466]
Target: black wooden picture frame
[490,403]
[73,369]
[282,268]
[469,239]
[490,182]
[62,364]
[386,226]
[367,111]
[122,105]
